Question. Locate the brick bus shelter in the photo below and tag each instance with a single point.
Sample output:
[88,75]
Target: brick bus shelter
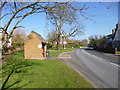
[34,46]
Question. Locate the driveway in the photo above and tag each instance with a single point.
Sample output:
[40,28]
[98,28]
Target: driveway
[98,68]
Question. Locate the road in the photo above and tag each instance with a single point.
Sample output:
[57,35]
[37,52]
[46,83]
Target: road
[99,68]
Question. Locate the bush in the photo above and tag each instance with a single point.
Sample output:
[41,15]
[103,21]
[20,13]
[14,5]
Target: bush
[72,45]
[17,45]
[49,45]
[106,49]
[5,49]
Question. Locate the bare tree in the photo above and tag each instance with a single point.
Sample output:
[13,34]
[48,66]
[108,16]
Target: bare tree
[18,38]
[64,19]
[18,11]
[52,37]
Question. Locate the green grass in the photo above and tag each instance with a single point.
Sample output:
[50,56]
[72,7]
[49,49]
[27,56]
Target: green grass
[54,53]
[41,74]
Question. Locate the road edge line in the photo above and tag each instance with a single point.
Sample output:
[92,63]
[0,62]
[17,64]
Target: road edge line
[100,59]
[114,64]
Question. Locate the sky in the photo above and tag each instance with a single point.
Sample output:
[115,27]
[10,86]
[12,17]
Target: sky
[119,13]
[102,23]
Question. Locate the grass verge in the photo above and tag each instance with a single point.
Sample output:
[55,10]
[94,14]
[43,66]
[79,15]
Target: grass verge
[54,53]
[40,74]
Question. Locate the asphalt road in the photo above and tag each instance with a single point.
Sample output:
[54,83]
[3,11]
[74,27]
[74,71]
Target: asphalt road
[100,69]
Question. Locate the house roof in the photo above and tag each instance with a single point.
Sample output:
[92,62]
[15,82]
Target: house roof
[109,36]
[38,36]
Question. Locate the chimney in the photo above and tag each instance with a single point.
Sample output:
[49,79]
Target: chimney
[5,37]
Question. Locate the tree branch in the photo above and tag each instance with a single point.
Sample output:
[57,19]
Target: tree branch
[5,15]
[10,35]
[25,7]
[24,16]
[2,5]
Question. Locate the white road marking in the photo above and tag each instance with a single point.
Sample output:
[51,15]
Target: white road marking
[114,64]
[93,55]
[100,58]
[64,56]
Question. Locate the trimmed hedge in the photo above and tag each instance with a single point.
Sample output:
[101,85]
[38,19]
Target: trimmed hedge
[106,49]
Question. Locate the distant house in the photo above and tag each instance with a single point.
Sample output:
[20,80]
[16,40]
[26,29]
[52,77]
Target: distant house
[34,46]
[113,40]
[116,37]
[9,41]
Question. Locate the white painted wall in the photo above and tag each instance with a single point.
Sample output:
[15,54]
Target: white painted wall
[10,42]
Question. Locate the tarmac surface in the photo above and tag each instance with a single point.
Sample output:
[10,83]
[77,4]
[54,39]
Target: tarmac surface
[100,69]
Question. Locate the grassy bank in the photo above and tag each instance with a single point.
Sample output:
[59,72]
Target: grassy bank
[40,74]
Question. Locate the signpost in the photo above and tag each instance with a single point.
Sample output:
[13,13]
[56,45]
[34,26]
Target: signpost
[39,46]
[64,43]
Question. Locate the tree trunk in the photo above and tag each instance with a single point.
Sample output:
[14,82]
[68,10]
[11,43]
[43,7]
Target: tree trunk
[59,33]
[58,41]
